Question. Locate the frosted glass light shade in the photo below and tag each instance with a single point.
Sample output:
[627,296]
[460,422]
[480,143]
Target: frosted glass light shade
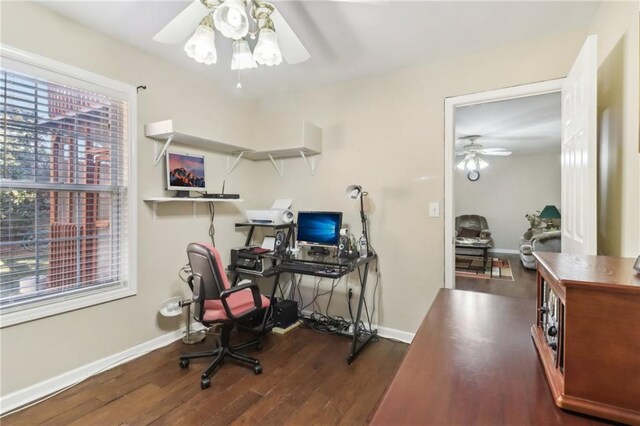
[483,164]
[201,46]
[231,20]
[267,51]
[242,57]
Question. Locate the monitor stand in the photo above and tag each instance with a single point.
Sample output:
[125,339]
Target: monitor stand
[182,194]
[318,251]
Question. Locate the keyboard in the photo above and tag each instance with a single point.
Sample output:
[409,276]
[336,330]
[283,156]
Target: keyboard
[312,268]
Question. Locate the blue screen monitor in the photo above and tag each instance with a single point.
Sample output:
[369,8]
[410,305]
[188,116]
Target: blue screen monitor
[319,228]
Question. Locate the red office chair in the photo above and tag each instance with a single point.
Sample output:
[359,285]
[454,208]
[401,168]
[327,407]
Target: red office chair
[218,303]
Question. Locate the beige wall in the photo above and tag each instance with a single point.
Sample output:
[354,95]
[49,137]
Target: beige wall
[507,190]
[386,133]
[38,350]
[616,24]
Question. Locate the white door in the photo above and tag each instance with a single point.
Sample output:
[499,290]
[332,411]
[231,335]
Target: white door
[579,151]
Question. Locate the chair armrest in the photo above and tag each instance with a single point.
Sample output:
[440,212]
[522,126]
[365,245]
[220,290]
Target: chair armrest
[255,292]
[485,233]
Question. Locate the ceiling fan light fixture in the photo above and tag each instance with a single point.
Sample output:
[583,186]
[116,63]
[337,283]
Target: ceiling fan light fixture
[231,19]
[482,164]
[242,57]
[267,51]
[202,45]
[461,165]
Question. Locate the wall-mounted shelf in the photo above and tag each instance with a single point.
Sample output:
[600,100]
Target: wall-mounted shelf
[279,154]
[309,146]
[164,131]
[193,201]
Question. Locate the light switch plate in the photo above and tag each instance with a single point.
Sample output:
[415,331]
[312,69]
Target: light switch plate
[434,209]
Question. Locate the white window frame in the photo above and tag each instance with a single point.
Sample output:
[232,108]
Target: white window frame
[79,78]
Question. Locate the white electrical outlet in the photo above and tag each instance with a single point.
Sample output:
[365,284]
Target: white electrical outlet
[434,209]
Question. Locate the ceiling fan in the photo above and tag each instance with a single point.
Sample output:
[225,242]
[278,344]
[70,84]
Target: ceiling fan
[473,153]
[236,20]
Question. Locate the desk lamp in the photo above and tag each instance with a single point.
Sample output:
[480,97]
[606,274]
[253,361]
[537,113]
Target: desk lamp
[549,213]
[172,308]
[354,192]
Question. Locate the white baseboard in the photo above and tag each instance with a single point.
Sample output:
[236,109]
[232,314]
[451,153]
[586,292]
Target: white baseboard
[392,333]
[507,251]
[40,390]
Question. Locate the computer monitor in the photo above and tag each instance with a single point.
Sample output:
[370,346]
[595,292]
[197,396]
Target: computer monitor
[185,172]
[321,229]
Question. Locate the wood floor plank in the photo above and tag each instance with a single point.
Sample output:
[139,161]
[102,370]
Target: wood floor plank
[122,409]
[304,373]
[70,416]
[373,390]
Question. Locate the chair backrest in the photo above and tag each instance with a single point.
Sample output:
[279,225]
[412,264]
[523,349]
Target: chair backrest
[208,276]
[471,221]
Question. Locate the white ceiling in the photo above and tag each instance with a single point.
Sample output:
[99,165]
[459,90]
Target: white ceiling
[346,39]
[523,126]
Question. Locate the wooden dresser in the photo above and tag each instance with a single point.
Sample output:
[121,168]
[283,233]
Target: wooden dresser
[472,362]
[587,333]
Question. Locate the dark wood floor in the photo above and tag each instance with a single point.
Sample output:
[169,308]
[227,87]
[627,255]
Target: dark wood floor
[523,286]
[306,380]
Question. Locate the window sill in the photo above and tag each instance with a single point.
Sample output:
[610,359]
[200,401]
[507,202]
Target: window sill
[39,311]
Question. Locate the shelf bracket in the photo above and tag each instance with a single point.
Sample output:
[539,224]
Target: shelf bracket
[232,167]
[154,207]
[163,150]
[280,169]
[311,165]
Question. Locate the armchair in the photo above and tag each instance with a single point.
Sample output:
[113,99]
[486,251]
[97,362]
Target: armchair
[472,222]
[548,241]
[216,302]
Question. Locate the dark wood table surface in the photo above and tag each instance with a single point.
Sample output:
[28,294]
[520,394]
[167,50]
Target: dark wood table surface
[473,362]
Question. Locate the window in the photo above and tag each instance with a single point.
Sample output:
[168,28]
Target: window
[66,188]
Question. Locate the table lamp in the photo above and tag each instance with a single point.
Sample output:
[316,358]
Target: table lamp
[549,213]
[355,192]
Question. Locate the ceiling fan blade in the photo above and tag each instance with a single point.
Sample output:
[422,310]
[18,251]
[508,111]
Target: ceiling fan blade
[461,153]
[500,153]
[493,149]
[293,51]
[183,24]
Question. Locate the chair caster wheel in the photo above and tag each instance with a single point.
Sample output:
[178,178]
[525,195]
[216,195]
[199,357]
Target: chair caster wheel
[259,346]
[184,363]
[205,383]
[257,369]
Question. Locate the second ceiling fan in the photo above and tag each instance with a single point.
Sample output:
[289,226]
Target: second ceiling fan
[473,153]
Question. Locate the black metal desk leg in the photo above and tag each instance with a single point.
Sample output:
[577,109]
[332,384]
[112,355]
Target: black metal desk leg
[276,282]
[355,347]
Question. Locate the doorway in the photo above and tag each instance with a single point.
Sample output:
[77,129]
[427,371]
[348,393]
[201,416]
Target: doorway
[456,138]
[507,192]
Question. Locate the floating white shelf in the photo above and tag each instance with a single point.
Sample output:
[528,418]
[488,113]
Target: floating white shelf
[278,154]
[156,200]
[164,131]
[193,200]
[310,145]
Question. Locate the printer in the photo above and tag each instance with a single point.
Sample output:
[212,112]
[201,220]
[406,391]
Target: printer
[243,259]
[278,214]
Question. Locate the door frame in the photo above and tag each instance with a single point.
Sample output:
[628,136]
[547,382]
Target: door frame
[450,105]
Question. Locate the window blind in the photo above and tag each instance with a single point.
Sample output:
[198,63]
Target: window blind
[63,190]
